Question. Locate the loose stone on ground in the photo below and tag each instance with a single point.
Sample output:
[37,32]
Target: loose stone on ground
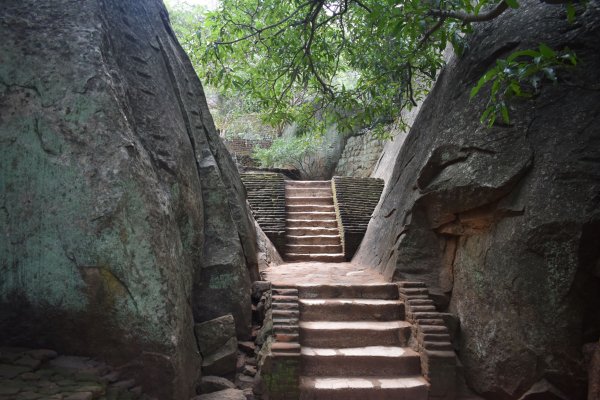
[27,374]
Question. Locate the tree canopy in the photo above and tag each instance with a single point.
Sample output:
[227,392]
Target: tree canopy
[353,62]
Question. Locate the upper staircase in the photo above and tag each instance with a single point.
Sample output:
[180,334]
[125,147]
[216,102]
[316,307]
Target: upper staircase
[312,232]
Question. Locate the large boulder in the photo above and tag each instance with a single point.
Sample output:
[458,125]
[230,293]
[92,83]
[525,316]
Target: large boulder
[122,216]
[503,223]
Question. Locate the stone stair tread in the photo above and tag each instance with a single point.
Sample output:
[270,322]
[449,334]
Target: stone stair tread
[312,220]
[370,325]
[334,231]
[307,198]
[362,382]
[314,254]
[369,351]
[312,236]
[375,302]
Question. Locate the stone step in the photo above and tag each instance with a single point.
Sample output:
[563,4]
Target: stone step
[314,239]
[311,184]
[285,299]
[309,200]
[285,329]
[435,337]
[351,310]
[424,308]
[383,291]
[285,321]
[425,315]
[289,314]
[333,258]
[307,192]
[291,208]
[284,291]
[409,284]
[308,231]
[363,388]
[287,337]
[354,334]
[307,223]
[414,291]
[311,215]
[285,347]
[313,248]
[420,302]
[438,346]
[360,361]
[285,306]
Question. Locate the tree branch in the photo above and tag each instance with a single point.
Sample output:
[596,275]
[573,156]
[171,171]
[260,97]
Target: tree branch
[464,17]
[259,31]
[431,31]
[308,44]
[360,4]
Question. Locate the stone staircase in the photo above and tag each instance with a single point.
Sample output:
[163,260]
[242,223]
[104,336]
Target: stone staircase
[354,344]
[312,232]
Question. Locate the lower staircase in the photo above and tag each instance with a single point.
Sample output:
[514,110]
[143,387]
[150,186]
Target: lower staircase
[312,232]
[354,345]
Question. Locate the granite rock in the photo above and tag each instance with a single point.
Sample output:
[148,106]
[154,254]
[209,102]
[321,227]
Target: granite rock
[499,222]
[122,214]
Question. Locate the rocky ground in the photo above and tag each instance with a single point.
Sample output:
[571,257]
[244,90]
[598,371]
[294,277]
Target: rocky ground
[41,374]
[27,374]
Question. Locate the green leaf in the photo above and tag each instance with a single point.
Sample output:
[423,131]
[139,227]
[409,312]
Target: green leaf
[512,3]
[547,51]
[522,53]
[482,81]
[516,88]
[570,12]
[504,111]
[486,114]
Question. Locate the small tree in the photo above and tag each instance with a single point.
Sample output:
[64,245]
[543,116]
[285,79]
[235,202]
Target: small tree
[360,61]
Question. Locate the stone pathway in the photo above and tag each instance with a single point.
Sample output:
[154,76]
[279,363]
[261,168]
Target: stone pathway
[27,374]
[320,273]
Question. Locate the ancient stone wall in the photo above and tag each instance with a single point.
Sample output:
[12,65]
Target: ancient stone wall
[266,196]
[354,201]
[122,216]
[241,149]
[499,221]
[359,156]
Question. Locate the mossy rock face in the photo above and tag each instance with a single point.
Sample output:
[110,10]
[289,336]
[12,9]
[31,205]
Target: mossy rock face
[502,223]
[118,202]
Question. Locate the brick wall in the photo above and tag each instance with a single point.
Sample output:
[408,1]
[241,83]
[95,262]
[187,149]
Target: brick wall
[266,195]
[242,149]
[355,200]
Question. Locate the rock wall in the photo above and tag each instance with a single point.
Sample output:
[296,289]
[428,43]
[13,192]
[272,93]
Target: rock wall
[122,215]
[359,156]
[503,223]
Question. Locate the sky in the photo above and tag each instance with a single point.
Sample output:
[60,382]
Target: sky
[209,4]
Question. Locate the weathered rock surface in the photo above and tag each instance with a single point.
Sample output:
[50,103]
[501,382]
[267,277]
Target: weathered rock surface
[501,221]
[122,216]
[223,361]
[218,345]
[227,394]
[61,377]
[213,334]
[209,384]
